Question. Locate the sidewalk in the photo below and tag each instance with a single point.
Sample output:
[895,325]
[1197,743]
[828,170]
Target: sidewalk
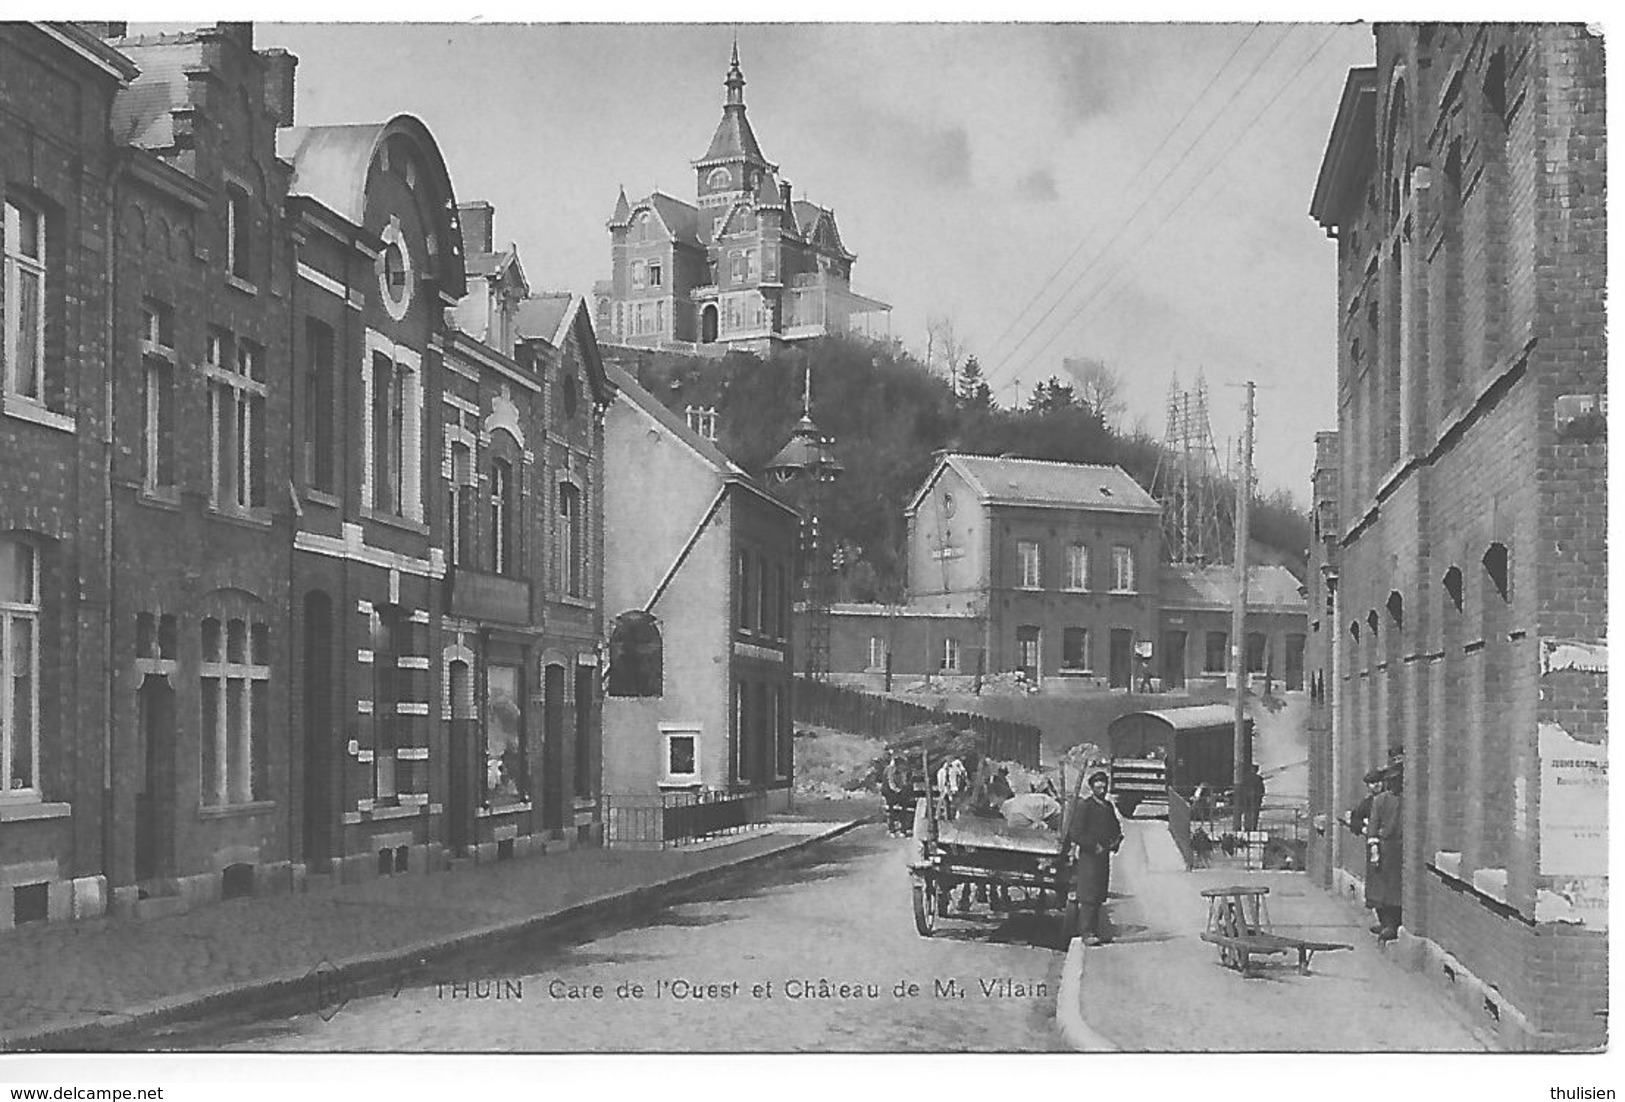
[70,985]
[1159,980]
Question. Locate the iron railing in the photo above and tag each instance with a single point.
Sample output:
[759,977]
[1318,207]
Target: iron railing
[672,819]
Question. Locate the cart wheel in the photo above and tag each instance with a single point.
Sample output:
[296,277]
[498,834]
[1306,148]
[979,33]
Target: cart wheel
[925,910]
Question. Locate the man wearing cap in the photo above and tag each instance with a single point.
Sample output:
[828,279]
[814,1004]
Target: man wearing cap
[1382,871]
[1095,831]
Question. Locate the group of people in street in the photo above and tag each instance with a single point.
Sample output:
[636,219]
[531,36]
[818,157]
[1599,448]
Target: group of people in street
[1376,819]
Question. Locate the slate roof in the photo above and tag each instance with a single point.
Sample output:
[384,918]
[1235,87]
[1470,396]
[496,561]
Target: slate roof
[680,217]
[1269,588]
[1045,483]
[627,385]
[733,138]
[542,315]
[487,264]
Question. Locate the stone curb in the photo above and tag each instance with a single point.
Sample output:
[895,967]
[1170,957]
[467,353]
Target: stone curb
[84,1032]
[1069,1005]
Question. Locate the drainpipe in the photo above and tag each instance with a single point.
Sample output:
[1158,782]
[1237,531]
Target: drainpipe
[109,678]
[1336,733]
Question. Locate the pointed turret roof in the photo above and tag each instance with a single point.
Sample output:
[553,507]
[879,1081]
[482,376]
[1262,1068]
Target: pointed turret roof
[623,210]
[734,139]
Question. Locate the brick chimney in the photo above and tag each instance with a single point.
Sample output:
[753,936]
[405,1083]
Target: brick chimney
[279,84]
[476,219]
[784,193]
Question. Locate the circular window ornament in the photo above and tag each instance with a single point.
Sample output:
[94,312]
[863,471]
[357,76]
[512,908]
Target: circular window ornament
[394,267]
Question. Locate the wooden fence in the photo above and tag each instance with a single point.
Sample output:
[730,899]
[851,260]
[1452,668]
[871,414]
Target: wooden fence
[883,717]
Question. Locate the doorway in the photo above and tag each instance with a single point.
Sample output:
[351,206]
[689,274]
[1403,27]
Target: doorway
[155,803]
[316,842]
[1173,660]
[553,786]
[1122,658]
[708,325]
[465,781]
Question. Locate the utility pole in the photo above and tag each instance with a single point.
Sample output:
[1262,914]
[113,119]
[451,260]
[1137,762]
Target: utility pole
[1238,619]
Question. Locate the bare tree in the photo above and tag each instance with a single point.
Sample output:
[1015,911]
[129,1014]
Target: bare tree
[941,338]
[1099,387]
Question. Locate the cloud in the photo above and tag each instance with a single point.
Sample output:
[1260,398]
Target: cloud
[1038,185]
[938,155]
[1085,65]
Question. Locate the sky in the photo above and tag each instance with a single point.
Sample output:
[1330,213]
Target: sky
[1133,193]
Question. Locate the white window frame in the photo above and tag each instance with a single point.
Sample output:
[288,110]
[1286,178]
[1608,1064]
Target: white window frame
[1031,560]
[408,374]
[503,558]
[1123,572]
[669,732]
[877,653]
[1077,567]
[655,274]
[640,274]
[950,655]
[571,540]
[12,613]
[239,381]
[20,266]
[233,782]
[158,372]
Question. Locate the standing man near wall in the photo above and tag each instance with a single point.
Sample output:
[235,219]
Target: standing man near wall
[1383,856]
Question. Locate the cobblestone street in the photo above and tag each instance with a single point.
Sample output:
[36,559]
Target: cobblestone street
[837,914]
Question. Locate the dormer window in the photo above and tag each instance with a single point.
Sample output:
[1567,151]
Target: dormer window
[719,180]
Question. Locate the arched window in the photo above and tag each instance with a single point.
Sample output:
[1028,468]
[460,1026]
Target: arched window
[19,666]
[636,656]
[571,534]
[235,674]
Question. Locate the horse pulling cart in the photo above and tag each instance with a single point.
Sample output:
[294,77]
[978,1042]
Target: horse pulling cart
[988,862]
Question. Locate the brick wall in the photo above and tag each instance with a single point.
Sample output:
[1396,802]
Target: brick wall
[1489,527]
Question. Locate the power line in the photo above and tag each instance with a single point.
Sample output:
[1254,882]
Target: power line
[1229,149]
[1137,173]
[1151,194]
[1121,286]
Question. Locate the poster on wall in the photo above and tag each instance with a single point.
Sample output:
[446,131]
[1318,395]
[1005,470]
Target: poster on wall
[1573,828]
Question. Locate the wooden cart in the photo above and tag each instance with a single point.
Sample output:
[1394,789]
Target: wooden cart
[993,866]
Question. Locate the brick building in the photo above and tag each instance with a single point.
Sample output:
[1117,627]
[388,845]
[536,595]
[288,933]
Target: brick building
[200,672]
[746,266]
[699,585]
[1057,560]
[57,90]
[338,486]
[521,476]
[1464,185]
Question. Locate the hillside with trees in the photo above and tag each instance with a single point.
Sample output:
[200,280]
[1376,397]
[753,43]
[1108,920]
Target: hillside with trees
[891,417]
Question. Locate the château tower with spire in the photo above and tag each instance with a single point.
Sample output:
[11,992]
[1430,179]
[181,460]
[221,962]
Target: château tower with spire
[746,266]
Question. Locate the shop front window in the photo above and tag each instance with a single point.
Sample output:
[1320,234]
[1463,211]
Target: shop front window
[504,736]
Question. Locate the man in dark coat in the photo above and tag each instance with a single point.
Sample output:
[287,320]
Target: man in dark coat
[1251,797]
[1097,834]
[1383,857]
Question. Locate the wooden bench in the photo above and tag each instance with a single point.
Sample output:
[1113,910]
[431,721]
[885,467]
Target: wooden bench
[1242,946]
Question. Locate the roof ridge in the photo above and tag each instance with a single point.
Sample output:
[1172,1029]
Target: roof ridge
[1047,462]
